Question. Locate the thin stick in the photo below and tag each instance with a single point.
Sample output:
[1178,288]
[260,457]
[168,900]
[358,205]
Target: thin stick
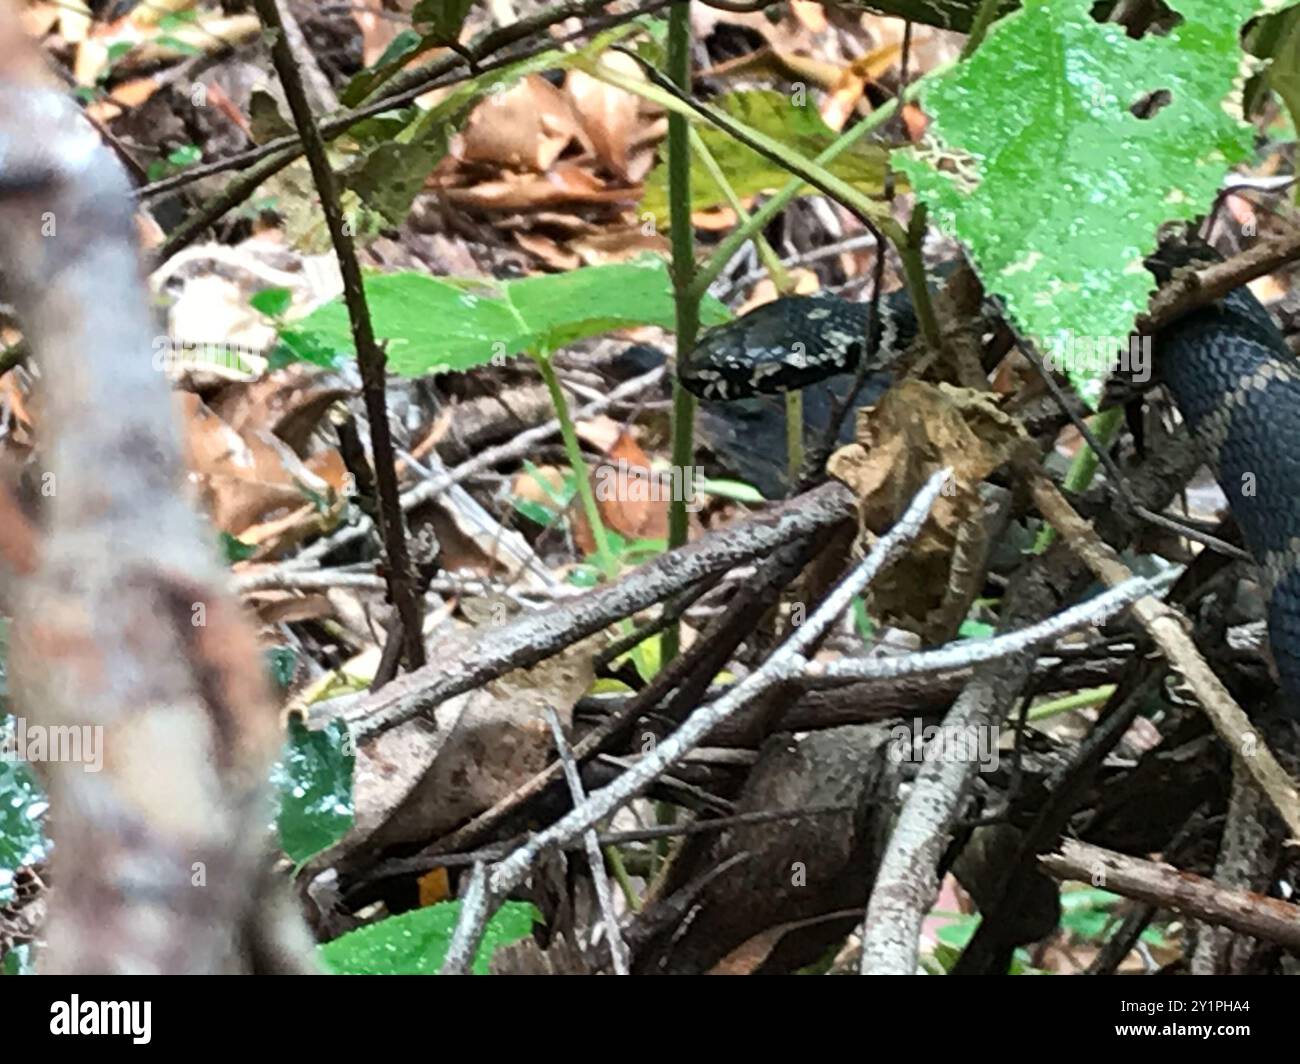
[617,947]
[370,356]
[783,666]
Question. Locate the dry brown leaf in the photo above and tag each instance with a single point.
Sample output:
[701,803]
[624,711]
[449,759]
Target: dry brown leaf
[415,783]
[546,249]
[526,127]
[804,282]
[916,429]
[610,117]
[601,432]
[532,485]
[378,30]
[618,245]
[286,607]
[810,15]
[852,81]
[632,499]
[564,183]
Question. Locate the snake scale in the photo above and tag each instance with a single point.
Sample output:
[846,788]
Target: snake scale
[1226,365]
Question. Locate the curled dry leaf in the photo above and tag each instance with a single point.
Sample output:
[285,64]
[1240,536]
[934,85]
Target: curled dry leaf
[414,783]
[527,127]
[631,496]
[563,183]
[916,429]
[614,121]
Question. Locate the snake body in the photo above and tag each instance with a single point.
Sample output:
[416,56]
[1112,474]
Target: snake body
[1226,365]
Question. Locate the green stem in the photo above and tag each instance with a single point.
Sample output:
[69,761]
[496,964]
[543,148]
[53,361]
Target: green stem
[1084,467]
[1093,696]
[686,296]
[766,253]
[793,436]
[780,279]
[909,254]
[615,861]
[573,450]
[988,11]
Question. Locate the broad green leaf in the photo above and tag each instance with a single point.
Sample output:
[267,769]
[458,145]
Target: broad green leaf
[439,325]
[401,48]
[415,943]
[314,781]
[1036,162]
[444,17]
[273,302]
[773,113]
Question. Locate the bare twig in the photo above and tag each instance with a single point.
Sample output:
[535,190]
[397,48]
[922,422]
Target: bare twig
[595,861]
[1172,888]
[475,911]
[787,662]
[371,360]
[490,652]
[521,445]
[1170,634]
[967,653]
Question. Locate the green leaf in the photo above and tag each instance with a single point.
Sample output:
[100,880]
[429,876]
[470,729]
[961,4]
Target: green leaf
[273,302]
[22,804]
[314,781]
[736,490]
[439,325]
[18,961]
[185,155]
[798,127]
[975,630]
[1034,160]
[444,18]
[298,346]
[405,45]
[535,511]
[235,550]
[177,45]
[281,663]
[415,943]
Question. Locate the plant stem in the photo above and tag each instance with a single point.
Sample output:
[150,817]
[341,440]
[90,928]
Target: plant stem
[909,254]
[1084,466]
[1092,696]
[573,451]
[708,271]
[988,11]
[371,360]
[686,296]
[781,280]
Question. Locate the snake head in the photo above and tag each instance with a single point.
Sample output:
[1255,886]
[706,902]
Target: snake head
[788,343]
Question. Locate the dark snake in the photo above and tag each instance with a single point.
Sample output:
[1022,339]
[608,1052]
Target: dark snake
[1226,365]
